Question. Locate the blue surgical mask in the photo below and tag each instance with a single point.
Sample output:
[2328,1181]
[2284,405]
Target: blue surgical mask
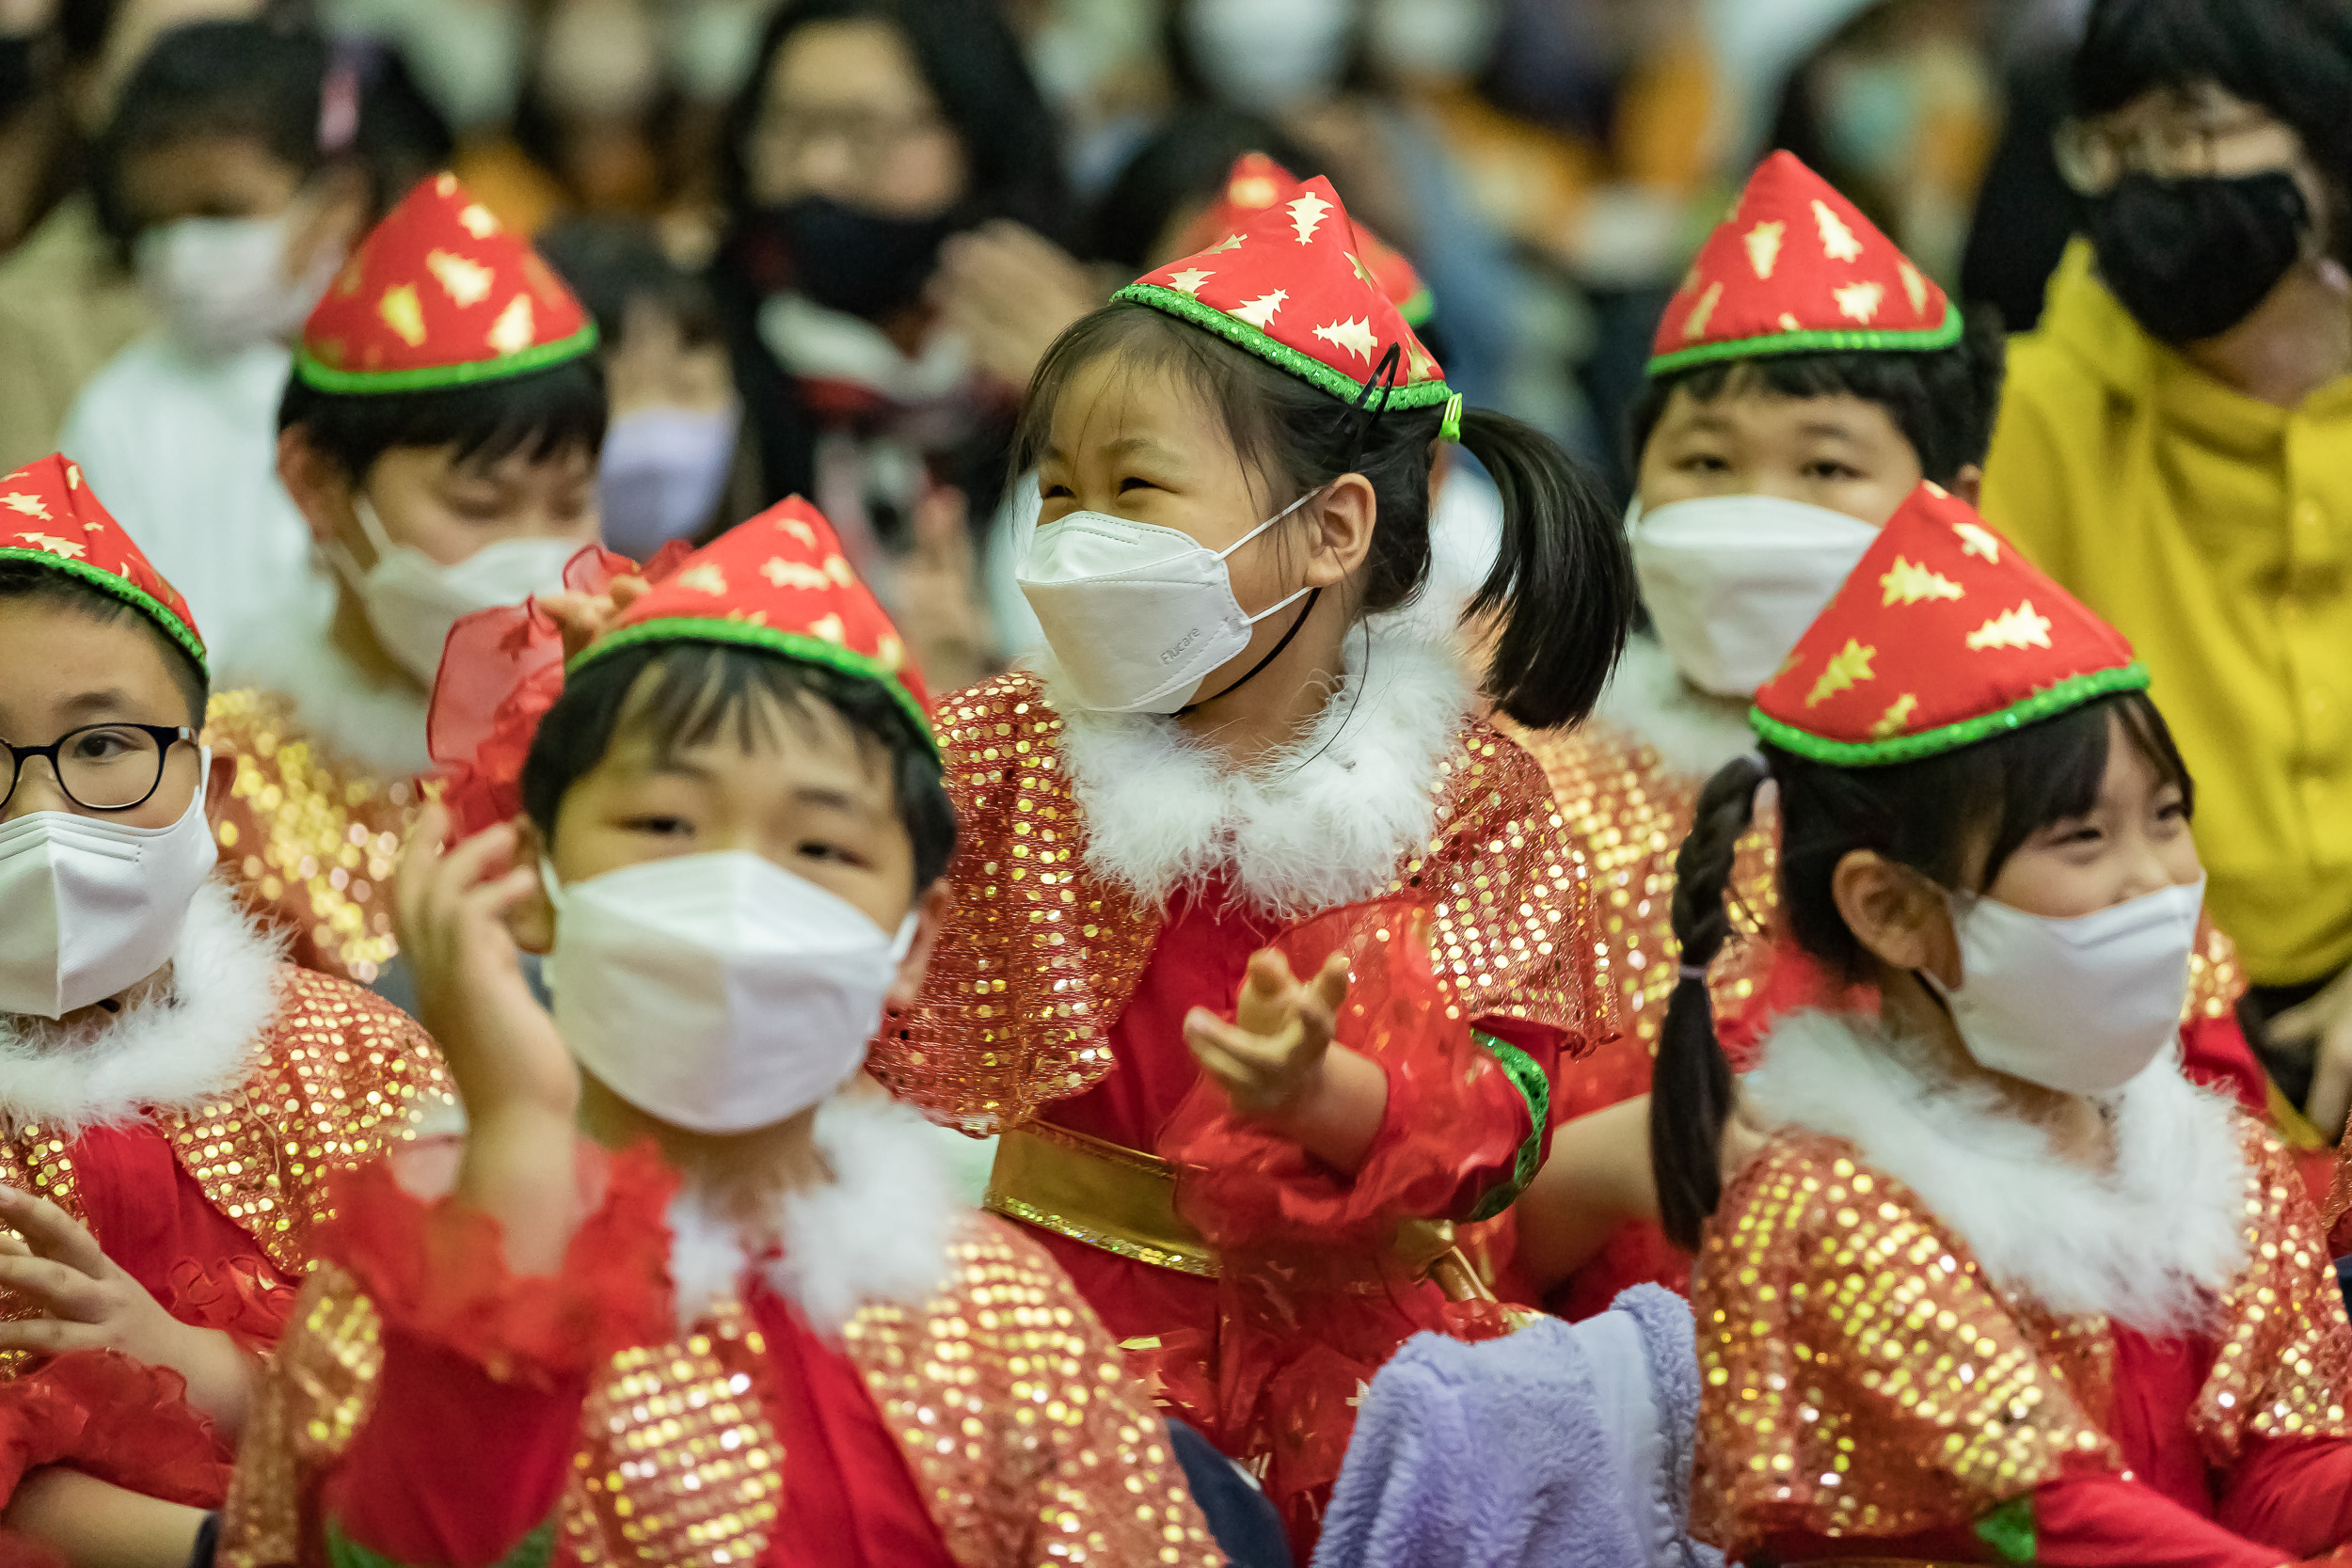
[661,475]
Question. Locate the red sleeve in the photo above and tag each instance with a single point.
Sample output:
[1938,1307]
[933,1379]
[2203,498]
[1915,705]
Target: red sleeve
[2296,1496]
[2214,1054]
[2099,1520]
[465,1454]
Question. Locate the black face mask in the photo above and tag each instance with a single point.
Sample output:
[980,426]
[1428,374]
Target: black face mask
[855,262]
[2190,259]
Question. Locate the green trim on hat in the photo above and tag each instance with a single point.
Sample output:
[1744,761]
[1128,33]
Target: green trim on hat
[1305,365]
[124,589]
[1828,340]
[750,634]
[2072,692]
[427,379]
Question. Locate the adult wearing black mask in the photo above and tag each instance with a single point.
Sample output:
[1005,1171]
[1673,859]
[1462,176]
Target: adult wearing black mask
[2175,446]
[869,131]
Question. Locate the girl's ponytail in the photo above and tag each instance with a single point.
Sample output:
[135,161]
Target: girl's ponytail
[1563,577]
[1690,1093]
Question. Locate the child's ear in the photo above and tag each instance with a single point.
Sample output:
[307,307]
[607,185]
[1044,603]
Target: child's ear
[930,913]
[531,921]
[1344,521]
[320,488]
[218,779]
[1899,916]
[1968,485]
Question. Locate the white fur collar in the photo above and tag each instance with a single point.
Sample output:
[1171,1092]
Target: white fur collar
[379,726]
[2151,1244]
[191,1042]
[878,1232]
[1692,732]
[1320,824]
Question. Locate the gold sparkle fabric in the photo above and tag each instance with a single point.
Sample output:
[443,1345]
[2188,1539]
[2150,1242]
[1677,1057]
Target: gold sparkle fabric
[1040,954]
[308,838]
[1862,1376]
[1029,1444]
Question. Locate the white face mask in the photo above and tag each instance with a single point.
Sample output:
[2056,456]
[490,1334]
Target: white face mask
[2080,1005]
[412,600]
[1732,581]
[719,992]
[1138,615]
[1270,54]
[88,907]
[220,284]
[662,473]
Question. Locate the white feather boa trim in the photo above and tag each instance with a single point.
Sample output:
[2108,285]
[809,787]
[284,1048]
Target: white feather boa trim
[878,1232]
[1692,732]
[1322,823]
[193,1041]
[2151,1243]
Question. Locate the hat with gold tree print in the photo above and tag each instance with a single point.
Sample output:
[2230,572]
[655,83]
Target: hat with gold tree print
[438,295]
[1797,268]
[1943,635]
[50,518]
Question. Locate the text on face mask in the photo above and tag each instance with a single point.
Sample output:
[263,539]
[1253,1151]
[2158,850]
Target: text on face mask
[1170,654]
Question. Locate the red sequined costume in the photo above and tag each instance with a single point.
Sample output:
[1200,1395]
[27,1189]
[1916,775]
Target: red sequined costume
[432,1409]
[1254,1286]
[1925,1334]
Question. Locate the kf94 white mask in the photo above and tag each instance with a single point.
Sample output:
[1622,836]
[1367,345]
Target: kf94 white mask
[1732,581]
[719,992]
[2080,1005]
[88,907]
[412,600]
[1138,615]
[219,284]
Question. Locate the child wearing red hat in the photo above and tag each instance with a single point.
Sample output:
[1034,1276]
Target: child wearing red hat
[2001,1283]
[765,1332]
[175,1094]
[1264,951]
[1804,379]
[440,433]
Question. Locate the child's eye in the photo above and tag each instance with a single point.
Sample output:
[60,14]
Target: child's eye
[819,850]
[1831,470]
[660,826]
[1132,482]
[1702,463]
[1052,492]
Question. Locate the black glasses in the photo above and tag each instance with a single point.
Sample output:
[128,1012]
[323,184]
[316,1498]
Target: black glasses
[103,766]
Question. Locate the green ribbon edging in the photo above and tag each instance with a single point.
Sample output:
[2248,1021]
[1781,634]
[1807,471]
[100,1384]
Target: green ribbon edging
[2051,700]
[2009,1530]
[535,1550]
[1821,341]
[1419,394]
[121,588]
[791,644]
[427,378]
[1536,1090]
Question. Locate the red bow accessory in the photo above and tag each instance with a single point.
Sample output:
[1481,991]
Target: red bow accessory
[779,583]
[1256,182]
[50,517]
[1293,285]
[1797,268]
[440,294]
[1943,635]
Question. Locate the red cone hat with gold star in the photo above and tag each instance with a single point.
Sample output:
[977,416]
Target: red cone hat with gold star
[1943,635]
[1796,267]
[1292,286]
[49,517]
[1256,182]
[439,295]
[778,581]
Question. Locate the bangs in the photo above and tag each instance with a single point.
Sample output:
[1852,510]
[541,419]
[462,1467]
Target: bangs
[698,693]
[540,414]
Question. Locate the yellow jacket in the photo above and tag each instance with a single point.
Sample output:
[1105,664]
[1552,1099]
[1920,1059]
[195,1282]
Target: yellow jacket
[2215,531]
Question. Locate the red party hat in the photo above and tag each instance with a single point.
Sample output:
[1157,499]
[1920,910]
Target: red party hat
[440,294]
[1943,635]
[50,518]
[778,581]
[1292,286]
[1796,267]
[1256,182]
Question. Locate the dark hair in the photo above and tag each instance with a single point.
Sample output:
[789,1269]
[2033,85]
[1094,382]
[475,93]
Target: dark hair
[1562,578]
[24,582]
[268,82]
[1185,161]
[608,261]
[1925,815]
[683,694]
[2292,57]
[1943,401]
[539,413]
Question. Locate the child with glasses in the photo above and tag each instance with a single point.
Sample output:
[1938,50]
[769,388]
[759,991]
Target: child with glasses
[174,1092]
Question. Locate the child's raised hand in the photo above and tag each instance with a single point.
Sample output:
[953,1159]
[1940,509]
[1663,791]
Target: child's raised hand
[452,901]
[582,618]
[1271,1056]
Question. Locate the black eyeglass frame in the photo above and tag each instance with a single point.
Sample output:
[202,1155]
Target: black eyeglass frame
[164,735]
